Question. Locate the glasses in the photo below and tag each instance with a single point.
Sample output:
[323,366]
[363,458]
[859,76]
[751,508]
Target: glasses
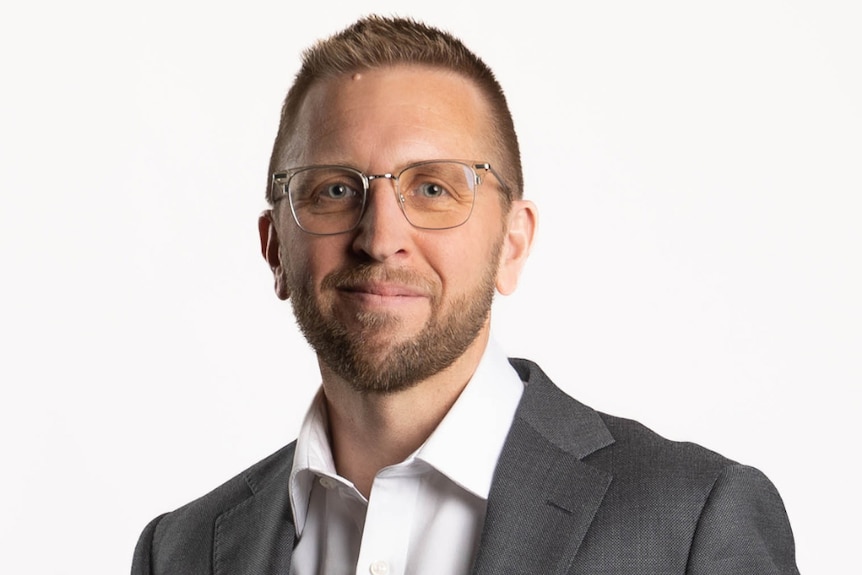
[433,195]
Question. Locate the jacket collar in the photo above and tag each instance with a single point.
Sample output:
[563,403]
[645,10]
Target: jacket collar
[544,497]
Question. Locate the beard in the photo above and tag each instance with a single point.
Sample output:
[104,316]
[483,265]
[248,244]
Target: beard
[365,355]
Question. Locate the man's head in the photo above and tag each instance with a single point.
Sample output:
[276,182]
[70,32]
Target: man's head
[386,303]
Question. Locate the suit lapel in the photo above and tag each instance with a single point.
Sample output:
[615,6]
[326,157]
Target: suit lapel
[543,498]
[257,536]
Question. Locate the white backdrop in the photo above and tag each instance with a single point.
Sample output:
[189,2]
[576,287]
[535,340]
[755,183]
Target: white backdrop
[697,171]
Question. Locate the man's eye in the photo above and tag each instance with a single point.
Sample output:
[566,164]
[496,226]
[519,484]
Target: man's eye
[430,190]
[338,192]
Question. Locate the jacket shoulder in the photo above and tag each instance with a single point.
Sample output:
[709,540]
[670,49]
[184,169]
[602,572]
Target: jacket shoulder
[670,506]
[722,516]
[636,443]
[183,538]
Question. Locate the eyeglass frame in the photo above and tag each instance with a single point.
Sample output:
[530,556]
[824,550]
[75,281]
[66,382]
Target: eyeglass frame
[282,178]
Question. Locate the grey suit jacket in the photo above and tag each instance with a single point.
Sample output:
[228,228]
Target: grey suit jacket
[575,492]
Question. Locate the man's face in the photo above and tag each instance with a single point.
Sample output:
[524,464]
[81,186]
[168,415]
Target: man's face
[388,305]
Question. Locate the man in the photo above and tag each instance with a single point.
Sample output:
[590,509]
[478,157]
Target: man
[396,213]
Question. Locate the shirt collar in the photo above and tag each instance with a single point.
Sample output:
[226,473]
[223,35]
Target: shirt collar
[464,447]
[312,456]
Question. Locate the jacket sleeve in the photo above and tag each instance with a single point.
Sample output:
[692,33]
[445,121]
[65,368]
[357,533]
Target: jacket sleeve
[743,528]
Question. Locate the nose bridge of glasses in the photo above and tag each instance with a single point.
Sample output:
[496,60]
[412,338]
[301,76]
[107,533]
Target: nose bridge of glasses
[391,177]
[371,203]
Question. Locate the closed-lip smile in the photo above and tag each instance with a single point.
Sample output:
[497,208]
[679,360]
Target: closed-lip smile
[384,290]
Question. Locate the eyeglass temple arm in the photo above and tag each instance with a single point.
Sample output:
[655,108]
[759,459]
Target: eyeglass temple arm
[487,167]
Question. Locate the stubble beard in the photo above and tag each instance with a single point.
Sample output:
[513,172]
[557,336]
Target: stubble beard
[365,357]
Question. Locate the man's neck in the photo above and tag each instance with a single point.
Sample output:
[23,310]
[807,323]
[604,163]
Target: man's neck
[370,431]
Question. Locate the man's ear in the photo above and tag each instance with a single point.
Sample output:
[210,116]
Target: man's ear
[517,242]
[269,250]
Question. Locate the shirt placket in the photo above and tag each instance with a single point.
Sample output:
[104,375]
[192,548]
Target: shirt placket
[388,522]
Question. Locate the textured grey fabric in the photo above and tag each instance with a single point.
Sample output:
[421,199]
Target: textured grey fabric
[574,492]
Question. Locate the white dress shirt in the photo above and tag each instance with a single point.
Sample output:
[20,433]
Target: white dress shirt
[424,515]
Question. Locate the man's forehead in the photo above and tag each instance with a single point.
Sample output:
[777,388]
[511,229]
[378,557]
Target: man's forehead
[401,88]
[441,104]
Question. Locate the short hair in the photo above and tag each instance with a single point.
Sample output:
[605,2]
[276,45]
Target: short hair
[380,42]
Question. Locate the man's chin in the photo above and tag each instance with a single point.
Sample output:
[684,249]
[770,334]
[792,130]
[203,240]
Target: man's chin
[383,329]
[380,347]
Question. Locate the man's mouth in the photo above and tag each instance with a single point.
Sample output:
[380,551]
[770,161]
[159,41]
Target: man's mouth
[383,289]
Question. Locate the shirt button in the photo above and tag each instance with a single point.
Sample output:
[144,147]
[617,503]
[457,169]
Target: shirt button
[379,567]
[328,482]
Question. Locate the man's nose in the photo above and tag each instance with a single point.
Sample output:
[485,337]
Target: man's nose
[383,231]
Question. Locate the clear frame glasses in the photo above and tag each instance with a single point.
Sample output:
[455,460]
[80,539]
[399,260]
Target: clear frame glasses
[433,195]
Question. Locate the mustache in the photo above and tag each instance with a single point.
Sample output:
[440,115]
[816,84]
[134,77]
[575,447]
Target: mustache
[363,274]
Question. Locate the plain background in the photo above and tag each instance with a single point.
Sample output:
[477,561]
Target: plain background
[697,171]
